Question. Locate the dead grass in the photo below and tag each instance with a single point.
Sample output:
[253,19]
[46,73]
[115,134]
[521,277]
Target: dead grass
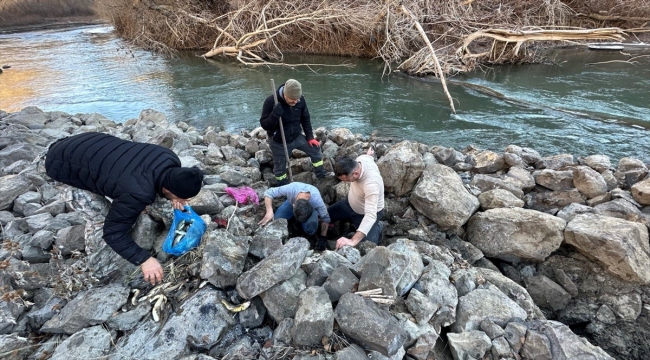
[30,12]
[262,32]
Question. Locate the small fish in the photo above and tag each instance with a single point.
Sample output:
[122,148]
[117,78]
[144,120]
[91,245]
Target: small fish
[157,308]
[177,237]
[197,345]
[134,299]
[236,308]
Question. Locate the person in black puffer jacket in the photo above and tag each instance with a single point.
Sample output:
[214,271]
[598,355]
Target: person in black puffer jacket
[132,174]
[292,108]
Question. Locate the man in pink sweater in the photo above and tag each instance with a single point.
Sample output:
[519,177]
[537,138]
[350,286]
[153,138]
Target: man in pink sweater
[364,206]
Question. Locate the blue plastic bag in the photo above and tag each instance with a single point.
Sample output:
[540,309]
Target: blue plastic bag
[185,233]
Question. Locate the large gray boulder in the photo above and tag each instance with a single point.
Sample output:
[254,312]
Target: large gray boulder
[325,266]
[30,117]
[620,246]
[435,285]
[314,317]
[92,342]
[14,347]
[487,162]
[281,300]
[472,344]
[269,238]
[599,163]
[441,196]
[12,186]
[565,344]
[555,162]
[224,256]
[277,267]
[487,182]
[400,167]
[589,182]
[641,192]
[554,179]
[516,234]
[90,307]
[368,324]
[18,152]
[414,266]
[528,155]
[484,303]
[381,268]
[499,198]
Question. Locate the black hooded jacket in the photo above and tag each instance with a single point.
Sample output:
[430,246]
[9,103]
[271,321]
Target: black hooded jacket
[128,172]
[295,119]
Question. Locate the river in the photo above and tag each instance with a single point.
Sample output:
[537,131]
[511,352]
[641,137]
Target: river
[585,102]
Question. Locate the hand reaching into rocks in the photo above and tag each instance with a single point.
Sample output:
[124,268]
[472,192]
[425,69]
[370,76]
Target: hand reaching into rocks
[152,271]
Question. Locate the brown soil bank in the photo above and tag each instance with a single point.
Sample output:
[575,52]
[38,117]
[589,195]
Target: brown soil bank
[15,14]
[409,35]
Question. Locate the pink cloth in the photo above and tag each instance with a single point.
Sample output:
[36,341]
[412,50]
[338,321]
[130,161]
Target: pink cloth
[243,194]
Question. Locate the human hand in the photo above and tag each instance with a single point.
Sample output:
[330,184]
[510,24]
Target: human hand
[343,241]
[179,204]
[152,271]
[277,110]
[267,218]
[313,142]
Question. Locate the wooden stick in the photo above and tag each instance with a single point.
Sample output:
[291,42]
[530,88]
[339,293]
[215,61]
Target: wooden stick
[370,292]
[382,301]
[441,75]
[380,297]
[284,140]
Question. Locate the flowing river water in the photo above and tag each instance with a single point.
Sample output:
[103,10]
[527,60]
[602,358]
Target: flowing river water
[583,102]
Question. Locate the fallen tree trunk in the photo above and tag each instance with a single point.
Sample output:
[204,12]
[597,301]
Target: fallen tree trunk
[521,37]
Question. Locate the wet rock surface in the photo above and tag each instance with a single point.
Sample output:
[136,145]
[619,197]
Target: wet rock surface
[483,255]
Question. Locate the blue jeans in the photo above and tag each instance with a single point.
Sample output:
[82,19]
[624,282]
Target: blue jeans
[343,211]
[285,211]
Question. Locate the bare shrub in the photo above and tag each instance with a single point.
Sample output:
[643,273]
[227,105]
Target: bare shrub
[261,32]
[28,12]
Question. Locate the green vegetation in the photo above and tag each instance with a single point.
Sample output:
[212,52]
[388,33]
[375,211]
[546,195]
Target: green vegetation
[15,13]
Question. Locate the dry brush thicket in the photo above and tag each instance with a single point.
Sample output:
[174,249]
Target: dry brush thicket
[28,12]
[462,33]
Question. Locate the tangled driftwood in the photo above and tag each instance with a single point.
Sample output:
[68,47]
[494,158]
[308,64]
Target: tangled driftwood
[418,37]
[519,38]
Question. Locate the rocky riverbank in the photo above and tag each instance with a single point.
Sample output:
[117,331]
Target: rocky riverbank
[484,256]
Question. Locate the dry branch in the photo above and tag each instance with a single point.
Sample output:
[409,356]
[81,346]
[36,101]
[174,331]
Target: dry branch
[521,37]
[258,32]
[615,18]
[441,74]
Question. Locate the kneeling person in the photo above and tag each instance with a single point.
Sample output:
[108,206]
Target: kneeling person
[364,206]
[304,204]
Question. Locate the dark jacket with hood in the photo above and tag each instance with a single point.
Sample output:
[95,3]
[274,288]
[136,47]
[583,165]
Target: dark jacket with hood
[130,173]
[295,119]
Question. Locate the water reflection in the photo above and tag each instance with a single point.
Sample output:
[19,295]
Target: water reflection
[572,107]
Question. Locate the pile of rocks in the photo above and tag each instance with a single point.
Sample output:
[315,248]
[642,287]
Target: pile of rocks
[484,255]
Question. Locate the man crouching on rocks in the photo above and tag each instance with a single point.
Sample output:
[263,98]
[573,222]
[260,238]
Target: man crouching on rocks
[304,204]
[129,173]
[364,206]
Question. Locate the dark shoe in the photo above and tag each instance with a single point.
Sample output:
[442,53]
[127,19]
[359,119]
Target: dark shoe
[326,175]
[322,243]
[295,228]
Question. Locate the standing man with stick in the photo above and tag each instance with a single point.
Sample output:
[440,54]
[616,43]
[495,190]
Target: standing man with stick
[284,122]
